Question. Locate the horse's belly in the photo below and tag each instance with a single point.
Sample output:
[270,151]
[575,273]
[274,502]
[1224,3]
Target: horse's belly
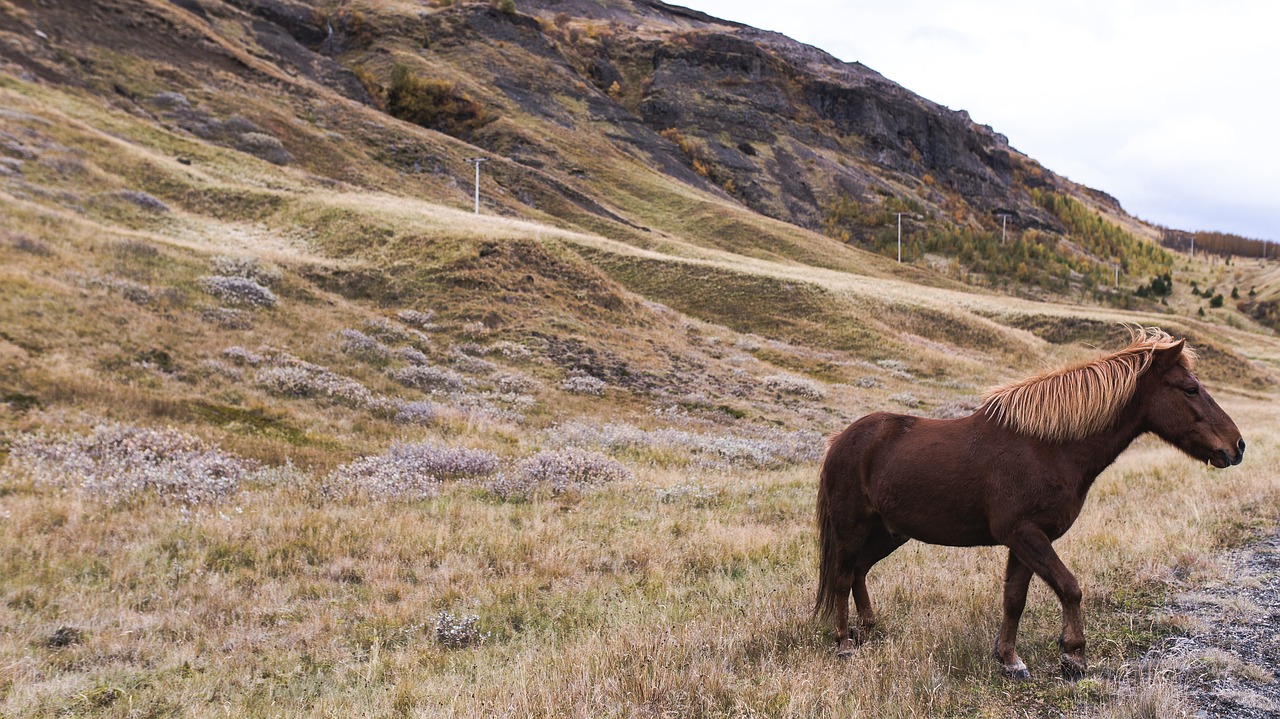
[949,531]
[934,514]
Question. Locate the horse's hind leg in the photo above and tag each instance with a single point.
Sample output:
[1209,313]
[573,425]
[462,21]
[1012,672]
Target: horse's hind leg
[846,580]
[880,544]
[844,643]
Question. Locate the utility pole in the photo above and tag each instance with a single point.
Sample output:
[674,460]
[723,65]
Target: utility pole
[1004,218]
[900,214]
[1193,247]
[477,161]
[1116,265]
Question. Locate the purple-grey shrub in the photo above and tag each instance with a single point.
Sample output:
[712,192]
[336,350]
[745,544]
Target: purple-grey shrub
[583,384]
[472,365]
[772,449]
[359,344]
[516,383]
[458,631]
[698,495]
[906,399]
[791,384]
[265,146]
[556,471]
[429,378]
[385,330]
[238,290]
[142,199]
[410,471]
[412,355]
[410,411]
[242,356]
[953,410]
[227,318]
[308,380]
[250,268]
[511,350]
[118,463]
[416,318]
[137,293]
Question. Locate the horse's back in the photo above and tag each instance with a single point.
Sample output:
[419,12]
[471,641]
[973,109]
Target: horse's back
[919,475]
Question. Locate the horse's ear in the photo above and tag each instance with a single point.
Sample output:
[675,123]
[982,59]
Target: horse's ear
[1169,356]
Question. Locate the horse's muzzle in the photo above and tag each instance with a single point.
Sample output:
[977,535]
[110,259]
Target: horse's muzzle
[1224,458]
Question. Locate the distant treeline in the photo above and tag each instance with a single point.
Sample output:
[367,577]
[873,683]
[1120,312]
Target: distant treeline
[1084,258]
[1218,243]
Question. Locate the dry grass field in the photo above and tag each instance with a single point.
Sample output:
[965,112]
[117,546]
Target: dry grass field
[295,441]
[676,591]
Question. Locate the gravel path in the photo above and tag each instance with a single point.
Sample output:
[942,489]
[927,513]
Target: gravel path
[1231,658]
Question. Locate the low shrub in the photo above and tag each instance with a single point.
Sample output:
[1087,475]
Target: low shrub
[421,320]
[137,293]
[556,471]
[410,471]
[412,355]
[227,318]
[238,290]
[402,411]
[692,493]
[304,380]
[361,345]
[144,200]
[458,631]
[242,356]
[429,379]
[583,384]
[250,268]
[434,104]
[799,386]
[120,463]
[516,383]
[722,452]
[905,399]
[385,330]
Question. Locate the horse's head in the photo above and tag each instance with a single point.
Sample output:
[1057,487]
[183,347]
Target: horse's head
[1181,412]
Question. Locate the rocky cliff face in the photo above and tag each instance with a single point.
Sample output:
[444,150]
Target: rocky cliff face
[782,127]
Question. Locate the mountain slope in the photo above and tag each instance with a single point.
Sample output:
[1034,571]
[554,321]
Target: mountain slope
[267,121]
[636,120]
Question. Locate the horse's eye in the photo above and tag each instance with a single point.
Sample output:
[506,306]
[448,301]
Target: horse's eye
[1192,391]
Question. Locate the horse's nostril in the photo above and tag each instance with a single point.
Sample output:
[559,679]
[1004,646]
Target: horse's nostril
[1240,445]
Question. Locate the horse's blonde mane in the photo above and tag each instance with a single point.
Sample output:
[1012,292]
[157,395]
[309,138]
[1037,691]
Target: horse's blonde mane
[1082,400]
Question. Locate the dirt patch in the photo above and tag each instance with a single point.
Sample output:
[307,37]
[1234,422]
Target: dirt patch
[1231,655]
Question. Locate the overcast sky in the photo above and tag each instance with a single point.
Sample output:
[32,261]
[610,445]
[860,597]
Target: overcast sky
[1171,106]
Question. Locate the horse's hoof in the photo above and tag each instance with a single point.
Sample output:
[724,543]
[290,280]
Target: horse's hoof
[1017,672]
[845,650]
[1073,668]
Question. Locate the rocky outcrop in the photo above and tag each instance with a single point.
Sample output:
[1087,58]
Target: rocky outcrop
[785,127]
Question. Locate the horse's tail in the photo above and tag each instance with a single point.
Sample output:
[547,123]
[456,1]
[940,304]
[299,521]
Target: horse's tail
[824,606]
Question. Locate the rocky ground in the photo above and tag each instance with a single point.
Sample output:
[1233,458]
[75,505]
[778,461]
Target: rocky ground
[1231,655]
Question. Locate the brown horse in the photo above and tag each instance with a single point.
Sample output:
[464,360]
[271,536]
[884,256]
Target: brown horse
[1015,473]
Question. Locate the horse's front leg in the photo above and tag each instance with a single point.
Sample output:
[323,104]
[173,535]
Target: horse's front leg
[1033,549]
[1017,577]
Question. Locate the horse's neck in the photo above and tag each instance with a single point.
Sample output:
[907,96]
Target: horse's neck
[1097,453]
